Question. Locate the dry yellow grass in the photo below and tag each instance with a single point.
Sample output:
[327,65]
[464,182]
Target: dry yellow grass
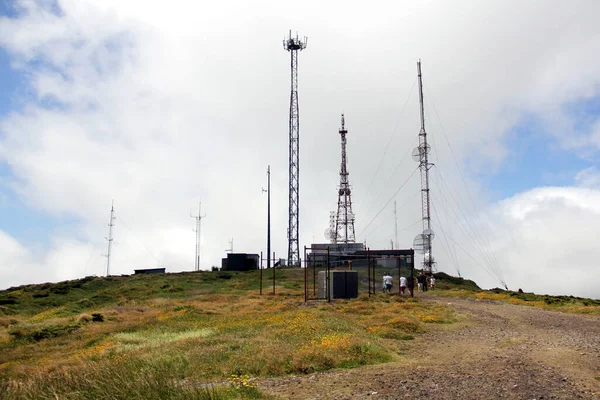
[559,303]
[224,334]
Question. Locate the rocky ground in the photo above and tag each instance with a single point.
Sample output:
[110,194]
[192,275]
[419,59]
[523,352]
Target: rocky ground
[497,351]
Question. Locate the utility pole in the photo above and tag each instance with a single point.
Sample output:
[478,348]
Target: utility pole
[293,45]
[197,230]
[110,236]
[421,154]
[268,216]
[396,225]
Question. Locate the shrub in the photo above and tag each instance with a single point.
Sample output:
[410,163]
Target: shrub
[60,289]
[36,333]
[84,303]
[97,317]
[84,318]
[6,322]
[6,311]
[8,300]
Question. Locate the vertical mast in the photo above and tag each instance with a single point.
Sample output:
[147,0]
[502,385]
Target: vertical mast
[344,221]
[396,225]
[198,236]
[293,45]
[110,236]
[424,165]
[268,191]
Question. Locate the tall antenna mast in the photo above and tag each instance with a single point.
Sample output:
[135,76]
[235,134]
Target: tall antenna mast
[231,248]
[395,225]
[344,221]
[268,191]
[422,242]
[110,236]
[293,45]
[197,230]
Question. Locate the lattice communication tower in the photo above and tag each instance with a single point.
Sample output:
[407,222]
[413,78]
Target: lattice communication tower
[293,45]
[198,219]
[422,242]
[344,220]
[110,237]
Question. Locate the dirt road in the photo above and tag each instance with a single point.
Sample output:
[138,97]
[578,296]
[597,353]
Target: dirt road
[497,351]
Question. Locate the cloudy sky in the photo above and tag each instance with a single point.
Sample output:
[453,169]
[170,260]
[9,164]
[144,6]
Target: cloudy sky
[158,106]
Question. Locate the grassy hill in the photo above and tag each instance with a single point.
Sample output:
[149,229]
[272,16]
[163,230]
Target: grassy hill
[204,335]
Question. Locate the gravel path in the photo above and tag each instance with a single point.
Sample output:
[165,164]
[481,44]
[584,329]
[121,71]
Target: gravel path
[498,351]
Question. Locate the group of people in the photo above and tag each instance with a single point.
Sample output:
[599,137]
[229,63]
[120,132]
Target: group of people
[407,285]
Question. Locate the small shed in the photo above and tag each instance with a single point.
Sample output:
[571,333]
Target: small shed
[150,271]
[240,262]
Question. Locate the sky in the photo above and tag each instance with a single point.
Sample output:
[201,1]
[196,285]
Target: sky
[159,108]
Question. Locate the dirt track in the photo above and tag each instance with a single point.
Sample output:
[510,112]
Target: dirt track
[498,351]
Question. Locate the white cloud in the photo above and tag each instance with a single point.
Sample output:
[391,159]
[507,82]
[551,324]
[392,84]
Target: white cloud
[588,178]
[546,240]
[160,107]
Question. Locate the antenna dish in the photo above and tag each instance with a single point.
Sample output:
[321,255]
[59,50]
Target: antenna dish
[429,232]
[420,151]
[421,244]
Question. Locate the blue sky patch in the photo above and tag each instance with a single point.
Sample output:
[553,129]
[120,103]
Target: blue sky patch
[24,223]
[535,160]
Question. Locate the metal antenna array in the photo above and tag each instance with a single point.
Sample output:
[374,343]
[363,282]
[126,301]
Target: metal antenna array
[110,236]
[292,45]
[422,242]
[197,230]
[344,220]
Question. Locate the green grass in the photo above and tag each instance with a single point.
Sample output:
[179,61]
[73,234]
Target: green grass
[95,292]
[187,331]
[199,335]
[122,378]
[570,304]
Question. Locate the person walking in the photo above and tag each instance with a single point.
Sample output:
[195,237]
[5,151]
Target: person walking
[387,282]
[402,284]
[420,281]
[432,282]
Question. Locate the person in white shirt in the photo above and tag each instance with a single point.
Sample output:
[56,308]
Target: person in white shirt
[402,284]
[432,282]
[387,283]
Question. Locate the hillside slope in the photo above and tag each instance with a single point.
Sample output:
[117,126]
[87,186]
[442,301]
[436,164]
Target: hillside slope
[498,351]
[182,335]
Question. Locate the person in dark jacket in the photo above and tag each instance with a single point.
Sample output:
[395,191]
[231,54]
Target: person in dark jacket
[421,281]
[411,285]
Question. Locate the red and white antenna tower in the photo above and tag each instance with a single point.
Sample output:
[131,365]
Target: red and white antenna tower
[422,242]
[344,220]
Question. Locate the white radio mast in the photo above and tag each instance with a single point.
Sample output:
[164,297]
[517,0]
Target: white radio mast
[231,248]
[197,230]
[422,242]
[110,236]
